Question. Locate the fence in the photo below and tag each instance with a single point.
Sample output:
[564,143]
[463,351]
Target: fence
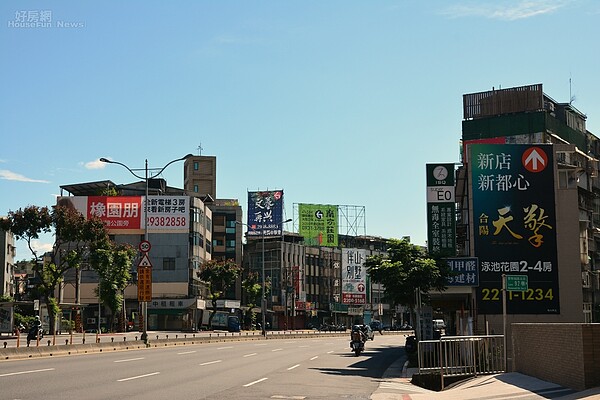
[462,356]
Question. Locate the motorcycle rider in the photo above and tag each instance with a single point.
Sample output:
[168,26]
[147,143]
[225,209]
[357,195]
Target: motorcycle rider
[357,334]
[34,331]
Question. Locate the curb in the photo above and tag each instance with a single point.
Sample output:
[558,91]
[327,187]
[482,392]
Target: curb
[13,353]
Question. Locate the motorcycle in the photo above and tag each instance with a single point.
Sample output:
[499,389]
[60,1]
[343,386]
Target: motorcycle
[410,345]
[357,344]
[19,328]
[35,333]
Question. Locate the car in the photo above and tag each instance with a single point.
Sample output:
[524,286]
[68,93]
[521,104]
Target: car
[369,332]
[376,325]
[439,324]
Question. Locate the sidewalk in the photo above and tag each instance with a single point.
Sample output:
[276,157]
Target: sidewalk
[513,385]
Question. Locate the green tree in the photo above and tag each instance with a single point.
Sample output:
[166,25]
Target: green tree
[75,238]
[113,265]
[253,291]
[405,269]
[218,276]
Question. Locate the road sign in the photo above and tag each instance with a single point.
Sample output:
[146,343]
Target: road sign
[517,283]
[145,246]
[145,261]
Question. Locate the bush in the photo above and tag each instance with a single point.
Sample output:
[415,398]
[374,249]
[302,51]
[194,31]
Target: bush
[67,325]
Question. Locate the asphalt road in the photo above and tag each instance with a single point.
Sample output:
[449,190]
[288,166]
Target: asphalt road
[311,368]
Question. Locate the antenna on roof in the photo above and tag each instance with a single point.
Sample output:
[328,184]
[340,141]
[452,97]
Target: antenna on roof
[199,148]
[571,96]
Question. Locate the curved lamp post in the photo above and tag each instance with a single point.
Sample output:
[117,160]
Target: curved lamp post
[146,178]
[263,300]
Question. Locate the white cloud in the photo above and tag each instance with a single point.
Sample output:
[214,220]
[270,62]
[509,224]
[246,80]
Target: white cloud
[96,164]
[13,176]
[41,247]
[507,11]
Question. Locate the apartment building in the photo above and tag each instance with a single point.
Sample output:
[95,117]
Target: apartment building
[528,201]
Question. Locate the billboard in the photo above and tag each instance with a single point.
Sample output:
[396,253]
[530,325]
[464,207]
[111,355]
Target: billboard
[514,224]
[265,212]
[318,224]
[354,276]
[126,213]
[441,209]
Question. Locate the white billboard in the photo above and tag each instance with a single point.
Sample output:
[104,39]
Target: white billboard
[354,276]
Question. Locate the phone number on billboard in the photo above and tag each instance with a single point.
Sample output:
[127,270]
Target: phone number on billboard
[529,294]
[167,221]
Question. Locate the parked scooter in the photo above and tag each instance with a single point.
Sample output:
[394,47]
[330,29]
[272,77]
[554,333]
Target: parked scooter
[410,346]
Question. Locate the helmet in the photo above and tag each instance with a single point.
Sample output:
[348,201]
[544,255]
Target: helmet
[37,317]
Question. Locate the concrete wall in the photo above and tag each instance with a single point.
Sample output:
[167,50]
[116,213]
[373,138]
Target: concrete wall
[566,354]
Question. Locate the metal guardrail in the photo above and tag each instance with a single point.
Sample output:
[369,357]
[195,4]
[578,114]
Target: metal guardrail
[462,355]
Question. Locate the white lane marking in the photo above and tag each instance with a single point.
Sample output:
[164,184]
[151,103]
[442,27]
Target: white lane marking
[211,362]
[137,377]
[260,344]
[293,367]
[186,352]
[129,359]
[223,348]
[292,342]
[28,372]
[314,358]
[276,349]
[278,396]
[255,382]
[250,355]
[303,346]
[329,352]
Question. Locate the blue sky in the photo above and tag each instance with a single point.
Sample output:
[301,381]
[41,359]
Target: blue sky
[336,102]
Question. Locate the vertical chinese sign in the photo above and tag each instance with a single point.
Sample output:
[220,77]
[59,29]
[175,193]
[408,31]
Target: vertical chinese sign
[265,211]
[318,224]
[441,210]
[514,225]
[354,276]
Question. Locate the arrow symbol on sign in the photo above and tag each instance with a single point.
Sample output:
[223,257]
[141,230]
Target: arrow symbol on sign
[319,214]
[533,158]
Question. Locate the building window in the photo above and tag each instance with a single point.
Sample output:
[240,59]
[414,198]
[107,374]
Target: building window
[208,224]
[195,188]
[195,165]
[169,264]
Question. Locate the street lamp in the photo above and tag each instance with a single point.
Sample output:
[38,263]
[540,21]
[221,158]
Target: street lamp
[285,291]
[263,300]
[146,178]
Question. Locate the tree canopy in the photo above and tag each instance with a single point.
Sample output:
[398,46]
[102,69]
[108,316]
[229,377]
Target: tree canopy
[113,265]
[407,267]
[218,276]
[75,238]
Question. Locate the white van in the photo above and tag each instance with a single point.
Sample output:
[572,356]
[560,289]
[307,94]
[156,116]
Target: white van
[438,324]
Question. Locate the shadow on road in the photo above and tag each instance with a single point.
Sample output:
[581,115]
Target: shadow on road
[371,364]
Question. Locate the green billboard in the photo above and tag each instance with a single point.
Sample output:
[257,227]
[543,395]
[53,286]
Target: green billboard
[319,224]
